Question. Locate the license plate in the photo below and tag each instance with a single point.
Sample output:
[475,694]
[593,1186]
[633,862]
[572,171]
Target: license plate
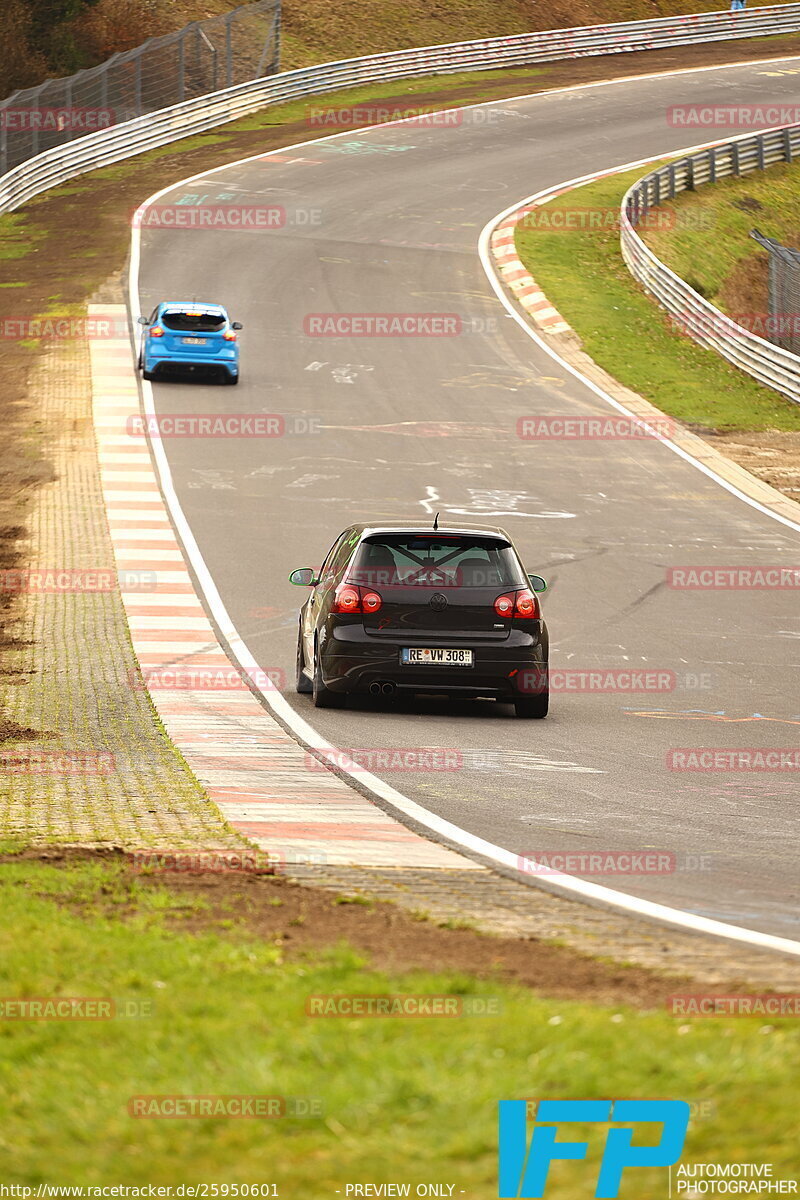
[194,341]
[426,657]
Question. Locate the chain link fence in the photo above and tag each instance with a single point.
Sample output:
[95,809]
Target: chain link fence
[200,58]
[783,327]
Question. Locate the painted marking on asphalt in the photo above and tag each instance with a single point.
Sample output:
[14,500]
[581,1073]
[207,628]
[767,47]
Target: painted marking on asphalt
[305,733]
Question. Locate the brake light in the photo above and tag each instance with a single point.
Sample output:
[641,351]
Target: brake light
[526,604]
[229,335]
[346,599]
[517,604]
[349,598]
[504,605]
[155,331]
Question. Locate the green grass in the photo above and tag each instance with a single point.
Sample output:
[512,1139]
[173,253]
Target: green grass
[404,1100]
[18,236]
[628,334]
[711,242]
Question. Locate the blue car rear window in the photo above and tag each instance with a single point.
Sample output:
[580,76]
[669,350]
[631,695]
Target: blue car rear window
[193,322]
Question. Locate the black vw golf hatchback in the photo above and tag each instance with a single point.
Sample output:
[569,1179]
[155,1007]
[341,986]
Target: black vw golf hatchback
[404,609]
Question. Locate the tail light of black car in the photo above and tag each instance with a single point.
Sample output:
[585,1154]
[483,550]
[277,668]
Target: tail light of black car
[520,603]
[352,598]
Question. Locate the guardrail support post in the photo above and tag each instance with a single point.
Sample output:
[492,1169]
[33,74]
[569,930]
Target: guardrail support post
[689,174]
[68,105]
[712,165]
[182,69]
[672,184]
[228,51]
[37,102]
[787,145]
[735,157]
[760,151]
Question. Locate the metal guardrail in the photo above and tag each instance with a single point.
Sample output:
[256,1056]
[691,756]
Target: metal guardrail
[200,58]
[771,365]
[195,116]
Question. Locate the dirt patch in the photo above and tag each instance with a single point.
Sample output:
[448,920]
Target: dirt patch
[772,455]
[303,919]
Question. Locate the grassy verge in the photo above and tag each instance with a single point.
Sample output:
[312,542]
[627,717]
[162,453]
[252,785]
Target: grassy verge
[625,331]
[710,245]
[409,1100]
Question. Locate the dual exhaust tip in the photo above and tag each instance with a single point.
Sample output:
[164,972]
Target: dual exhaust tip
[382,689]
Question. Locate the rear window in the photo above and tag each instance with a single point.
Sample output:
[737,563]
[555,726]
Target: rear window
[193,322]
[432,561]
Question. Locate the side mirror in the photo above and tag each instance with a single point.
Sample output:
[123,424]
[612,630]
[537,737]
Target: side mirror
[302,577]
[237,325]
[537,583]
[142,320]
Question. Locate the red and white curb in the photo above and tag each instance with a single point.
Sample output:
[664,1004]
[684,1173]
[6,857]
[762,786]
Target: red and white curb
[517,277]
[267,786]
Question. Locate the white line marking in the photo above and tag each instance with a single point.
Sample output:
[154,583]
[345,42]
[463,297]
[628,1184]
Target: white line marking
[485,253]
[308,735]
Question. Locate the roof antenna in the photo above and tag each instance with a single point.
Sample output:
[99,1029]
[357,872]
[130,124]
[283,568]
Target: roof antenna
[436,521]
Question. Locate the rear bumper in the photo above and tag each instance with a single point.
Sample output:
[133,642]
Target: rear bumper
[163,364]
[352,660]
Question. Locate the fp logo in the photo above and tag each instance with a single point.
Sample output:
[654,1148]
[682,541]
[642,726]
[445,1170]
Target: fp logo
[523,1170]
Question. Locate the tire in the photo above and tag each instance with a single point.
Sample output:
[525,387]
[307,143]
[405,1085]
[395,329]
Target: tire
[303,684]
[533,707]
[323,697]
[232,380]
[148,375]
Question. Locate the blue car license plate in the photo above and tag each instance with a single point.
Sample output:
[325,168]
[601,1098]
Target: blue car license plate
[194,341]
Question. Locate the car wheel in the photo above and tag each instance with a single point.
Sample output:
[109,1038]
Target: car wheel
[323,697]
[533,707]
[231,379]
[303,683]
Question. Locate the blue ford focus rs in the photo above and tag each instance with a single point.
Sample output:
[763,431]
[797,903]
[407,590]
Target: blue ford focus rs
[190,338]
